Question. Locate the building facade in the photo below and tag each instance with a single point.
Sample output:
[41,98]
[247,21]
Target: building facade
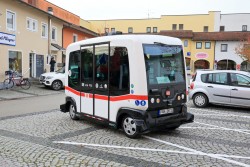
[25,39]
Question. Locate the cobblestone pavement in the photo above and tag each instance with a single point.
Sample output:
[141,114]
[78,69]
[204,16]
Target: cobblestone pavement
[220,136]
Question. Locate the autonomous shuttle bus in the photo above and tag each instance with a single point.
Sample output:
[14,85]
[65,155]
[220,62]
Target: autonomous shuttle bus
[132,82]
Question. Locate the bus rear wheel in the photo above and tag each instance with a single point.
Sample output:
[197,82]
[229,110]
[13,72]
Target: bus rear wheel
[72,112]
[129,127]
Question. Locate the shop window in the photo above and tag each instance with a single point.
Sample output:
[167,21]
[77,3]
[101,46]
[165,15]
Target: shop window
[148,29]
[207,45]
[188,63]
[174,26]
[15,61]
[205,29]
[198,45]
[130,30]
[223,47]
[119,71]
[11,20]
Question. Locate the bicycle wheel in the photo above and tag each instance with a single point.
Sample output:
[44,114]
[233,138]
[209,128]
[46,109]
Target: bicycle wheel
[25,84]
[8,83]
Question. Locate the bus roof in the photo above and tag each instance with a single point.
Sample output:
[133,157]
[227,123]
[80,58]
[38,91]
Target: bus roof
[136,38]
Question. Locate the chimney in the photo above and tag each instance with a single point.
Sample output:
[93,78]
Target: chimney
[50,10]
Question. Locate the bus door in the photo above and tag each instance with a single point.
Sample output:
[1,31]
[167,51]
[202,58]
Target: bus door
[94,80]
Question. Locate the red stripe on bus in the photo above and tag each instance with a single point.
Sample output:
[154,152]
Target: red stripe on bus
[112,98]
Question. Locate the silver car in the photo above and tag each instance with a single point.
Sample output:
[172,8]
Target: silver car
[225,87]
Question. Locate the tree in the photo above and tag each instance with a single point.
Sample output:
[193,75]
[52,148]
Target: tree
[243,50]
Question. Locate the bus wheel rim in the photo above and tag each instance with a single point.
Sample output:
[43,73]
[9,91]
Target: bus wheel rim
[72,111]
[129,126]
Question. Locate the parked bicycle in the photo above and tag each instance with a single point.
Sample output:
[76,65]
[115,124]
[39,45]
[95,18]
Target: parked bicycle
[15,79]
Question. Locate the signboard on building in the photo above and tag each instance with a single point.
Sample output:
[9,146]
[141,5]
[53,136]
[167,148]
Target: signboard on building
[7,39]
[201,55]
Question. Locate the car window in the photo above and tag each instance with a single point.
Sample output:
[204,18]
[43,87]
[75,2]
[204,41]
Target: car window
[204,78]
[220,78]
[240,80]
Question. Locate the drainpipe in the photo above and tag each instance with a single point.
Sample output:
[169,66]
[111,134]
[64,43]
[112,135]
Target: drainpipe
[50,11]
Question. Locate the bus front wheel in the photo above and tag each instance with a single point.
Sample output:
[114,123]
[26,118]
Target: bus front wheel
[72,112]
[129,127]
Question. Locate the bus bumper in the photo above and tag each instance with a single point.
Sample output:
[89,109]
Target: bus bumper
[148,123]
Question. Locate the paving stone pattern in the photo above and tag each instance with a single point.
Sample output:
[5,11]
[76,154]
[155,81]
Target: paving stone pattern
[219,137]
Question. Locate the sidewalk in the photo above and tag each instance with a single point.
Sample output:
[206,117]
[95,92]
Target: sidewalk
[18,92]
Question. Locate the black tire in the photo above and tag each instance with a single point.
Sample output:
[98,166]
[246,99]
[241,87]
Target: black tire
[25,84]
[72,112]
[200,100]
[56,85]
[129,127]
[8,84]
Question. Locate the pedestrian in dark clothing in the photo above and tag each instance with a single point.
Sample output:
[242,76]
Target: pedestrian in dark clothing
[52,64]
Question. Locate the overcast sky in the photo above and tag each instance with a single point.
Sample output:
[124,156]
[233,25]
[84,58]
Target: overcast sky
[138,9]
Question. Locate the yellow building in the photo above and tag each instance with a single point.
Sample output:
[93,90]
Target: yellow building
[198,53]
[197,23]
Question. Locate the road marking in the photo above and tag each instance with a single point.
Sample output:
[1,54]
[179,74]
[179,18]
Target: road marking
[236,130]
[217,156]
[219,112]
[223,115]
[192,152]
[193,127]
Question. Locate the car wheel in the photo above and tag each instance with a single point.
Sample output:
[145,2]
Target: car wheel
[72,112]
[200,100]
[129,127]
[56,85]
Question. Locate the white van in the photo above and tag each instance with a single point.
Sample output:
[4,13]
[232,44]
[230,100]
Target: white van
[132,82]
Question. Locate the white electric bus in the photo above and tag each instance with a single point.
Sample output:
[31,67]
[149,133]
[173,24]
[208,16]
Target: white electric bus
[132,82]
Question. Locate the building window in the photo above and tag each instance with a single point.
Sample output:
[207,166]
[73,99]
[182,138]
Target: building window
[181,26]
[223,47]
[174,26]
[207,45]
[44,30]
[54,33]
[148,29]
[205,29]
[112,29]
[15,61]
[31,24]
[185,43]
[222,28]
[154,29]
[198,45]
[244,28]
[106,30]
[75,37]
[130,30]
[11,20]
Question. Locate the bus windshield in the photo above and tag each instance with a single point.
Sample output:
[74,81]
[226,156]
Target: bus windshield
[164,63]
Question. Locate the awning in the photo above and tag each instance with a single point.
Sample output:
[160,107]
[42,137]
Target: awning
[57,47]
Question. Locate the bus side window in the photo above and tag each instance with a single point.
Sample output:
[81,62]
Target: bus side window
[119,71]
[74,68]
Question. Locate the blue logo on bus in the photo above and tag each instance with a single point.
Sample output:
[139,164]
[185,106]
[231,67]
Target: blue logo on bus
[137,102]
[143,103]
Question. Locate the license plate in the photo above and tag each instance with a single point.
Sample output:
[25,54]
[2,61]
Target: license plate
[166,111]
